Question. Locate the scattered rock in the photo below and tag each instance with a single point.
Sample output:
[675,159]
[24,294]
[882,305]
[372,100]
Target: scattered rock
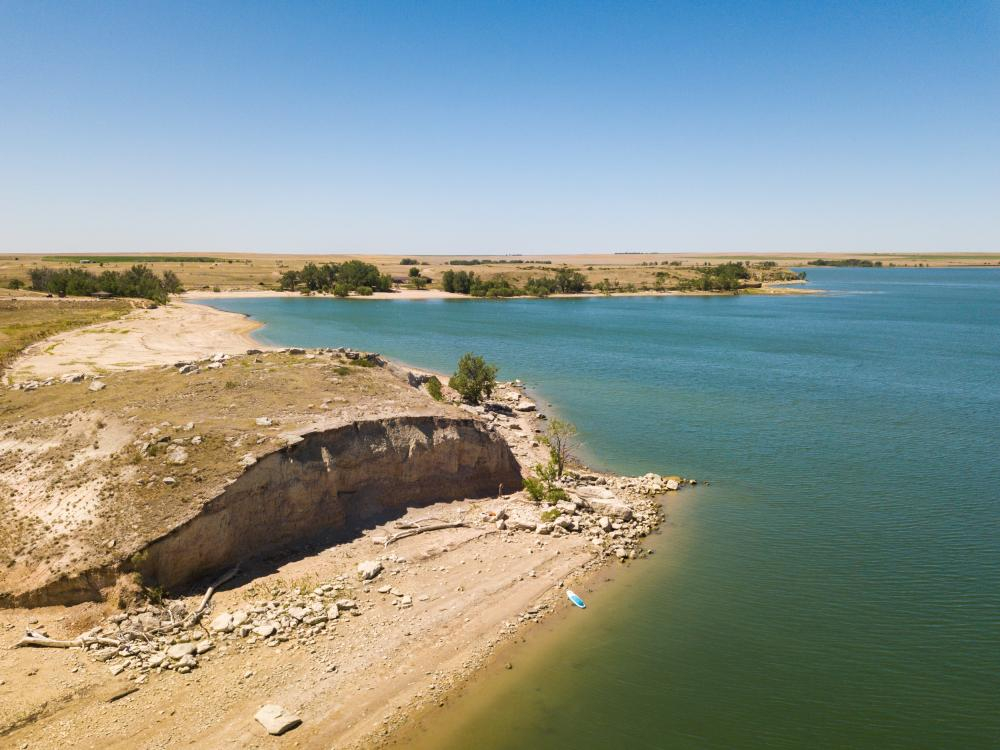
[368,569]
[223,623]
[177,456]
[180,650]
[97,385]
[276,720]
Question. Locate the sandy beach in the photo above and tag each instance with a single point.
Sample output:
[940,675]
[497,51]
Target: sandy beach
[263,293]
[143,338]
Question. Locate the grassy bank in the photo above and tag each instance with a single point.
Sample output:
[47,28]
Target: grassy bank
[23,322]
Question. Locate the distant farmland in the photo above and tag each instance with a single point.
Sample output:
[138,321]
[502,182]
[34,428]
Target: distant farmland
[132,259]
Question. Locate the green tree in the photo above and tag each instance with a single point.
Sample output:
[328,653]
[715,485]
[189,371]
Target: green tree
[15,284]
[434,388]
[562,441]
[171,283]
[474,379]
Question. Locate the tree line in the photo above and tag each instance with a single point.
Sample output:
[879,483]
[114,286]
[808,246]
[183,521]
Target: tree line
[339,278]
[564,281]
[138,281]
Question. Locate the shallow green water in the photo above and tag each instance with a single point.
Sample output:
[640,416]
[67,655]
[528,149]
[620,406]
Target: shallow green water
[837,585]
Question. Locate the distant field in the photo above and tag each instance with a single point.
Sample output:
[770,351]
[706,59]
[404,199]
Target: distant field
[263,271]
[130,259]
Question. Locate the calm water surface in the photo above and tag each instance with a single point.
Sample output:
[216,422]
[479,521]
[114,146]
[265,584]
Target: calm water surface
[837,585]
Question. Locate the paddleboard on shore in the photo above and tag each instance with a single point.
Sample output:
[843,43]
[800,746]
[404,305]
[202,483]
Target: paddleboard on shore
[575,599]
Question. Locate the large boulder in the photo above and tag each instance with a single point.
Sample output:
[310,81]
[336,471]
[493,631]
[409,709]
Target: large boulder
[602,500]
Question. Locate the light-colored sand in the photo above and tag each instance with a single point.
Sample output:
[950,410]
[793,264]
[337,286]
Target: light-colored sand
[263,293]
[167,334]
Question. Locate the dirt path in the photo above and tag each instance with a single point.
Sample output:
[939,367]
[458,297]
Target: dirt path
[164,335]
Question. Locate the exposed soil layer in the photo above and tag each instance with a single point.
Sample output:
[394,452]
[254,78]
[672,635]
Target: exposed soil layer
[329,484]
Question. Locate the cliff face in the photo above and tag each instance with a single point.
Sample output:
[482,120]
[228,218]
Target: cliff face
[332,482]
[329,484]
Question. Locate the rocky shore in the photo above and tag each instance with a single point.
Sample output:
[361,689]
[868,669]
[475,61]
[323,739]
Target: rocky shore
[333,645]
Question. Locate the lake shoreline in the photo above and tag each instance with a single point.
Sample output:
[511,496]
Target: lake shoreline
[516,598]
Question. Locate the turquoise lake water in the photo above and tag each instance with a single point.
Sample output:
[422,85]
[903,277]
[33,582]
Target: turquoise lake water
[837,584]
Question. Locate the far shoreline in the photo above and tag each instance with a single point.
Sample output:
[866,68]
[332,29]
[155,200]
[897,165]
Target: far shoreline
[777,288]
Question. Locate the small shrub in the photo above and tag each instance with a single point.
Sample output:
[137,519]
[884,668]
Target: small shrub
[555,494]
[534,488]
[216,289]
[474,379]
[342,370]
[230,384]
[546,472]
[362,362]
[434,388]
[364,291]
[341,290]
[550,515]
[15,284]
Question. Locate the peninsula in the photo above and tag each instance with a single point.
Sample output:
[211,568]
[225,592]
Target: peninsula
[193,525]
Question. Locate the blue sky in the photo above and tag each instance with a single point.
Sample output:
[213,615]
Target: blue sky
[499,127]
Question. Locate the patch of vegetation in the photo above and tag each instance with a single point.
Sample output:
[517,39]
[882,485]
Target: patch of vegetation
[434,388]
[535,488]
[550,515]
[487,262]
[154,594]
[561,439]
[338,278]
[565,281]
[847,262]
[724,277]
[131,259]
[474,379]
[409,262]
[24,322]
[361,362]
[138,281]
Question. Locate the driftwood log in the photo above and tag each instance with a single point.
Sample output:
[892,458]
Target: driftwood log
[193,618]
[421,529]
[40,641]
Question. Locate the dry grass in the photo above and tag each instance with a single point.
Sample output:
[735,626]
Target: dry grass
[23,322]
[262,271]
[81,469]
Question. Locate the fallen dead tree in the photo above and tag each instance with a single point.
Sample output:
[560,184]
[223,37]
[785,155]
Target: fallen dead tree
[37,639]
[421,529]
[40,640]
[193,618]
